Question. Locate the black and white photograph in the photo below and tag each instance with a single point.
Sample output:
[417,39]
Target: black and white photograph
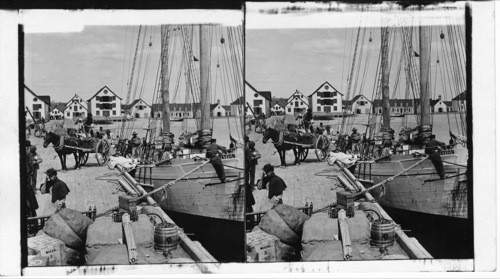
[361,131]
[249,139]
[134,145]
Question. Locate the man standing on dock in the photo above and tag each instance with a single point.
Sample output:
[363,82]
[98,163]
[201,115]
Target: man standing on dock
[59,189]
[276,185]
[213,153]
[433,149]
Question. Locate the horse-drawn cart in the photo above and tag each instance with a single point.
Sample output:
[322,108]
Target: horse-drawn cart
[298,141]
[320,144]
[93,145]
[80,147]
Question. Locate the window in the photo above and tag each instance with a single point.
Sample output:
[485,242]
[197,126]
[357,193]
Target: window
[334,94]
[296,104]
[114,112]
[97,113]
[302,103]
[318,108]
[68,114]
[289,110]
[334,101]
[256,95]
[80,107]
[335,108]
[257,103]
[105,91]
[35,99]
[328,109]
[37,106]
[75,108]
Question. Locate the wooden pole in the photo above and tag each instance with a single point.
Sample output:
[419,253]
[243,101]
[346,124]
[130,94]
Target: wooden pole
[129,238]
[425,106]
[390,178]
[385,77]
[204,72]
[165,33]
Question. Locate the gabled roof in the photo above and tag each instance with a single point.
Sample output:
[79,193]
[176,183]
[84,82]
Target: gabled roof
[280,102]
[45,99]
[447,103]
[296,91]
[462,96]
[326,82]
[265,94]
[226,107]
[60,106]
[70,100]
[357,97]
[105,86]
[136,101]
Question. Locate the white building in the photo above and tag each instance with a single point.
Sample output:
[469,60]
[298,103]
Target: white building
[76,107]
[278,106]
[360,105]
[439,105]
[105,103]
[38,106]
[176,110]
[237,106]
[57,111]
[218,110]
[259,101]
[326,99]
[297,103]
[140,109]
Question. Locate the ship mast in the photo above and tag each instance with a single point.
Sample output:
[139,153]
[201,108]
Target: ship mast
[204,70]
[165,33]
[424,77]
[385,78]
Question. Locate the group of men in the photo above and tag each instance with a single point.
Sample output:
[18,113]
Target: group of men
[58,189]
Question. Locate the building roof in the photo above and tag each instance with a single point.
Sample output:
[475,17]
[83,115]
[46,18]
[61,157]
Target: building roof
[265,94]
[447,103]
[326,82]
[70,100]
[239,101]
[462,96]
[45,99]
[60,106]
[136,101]
[355,98]
[280,102]
[105,86]
[226,107]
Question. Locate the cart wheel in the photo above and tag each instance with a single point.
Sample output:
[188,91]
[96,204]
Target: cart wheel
[303,154]
[322,148]
[102,152]
[84,159]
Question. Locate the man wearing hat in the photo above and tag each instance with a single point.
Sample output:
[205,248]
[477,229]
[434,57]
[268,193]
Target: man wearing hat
[134,144]
[276,185]
[59,189]
[308,120]
[213,153]
[433,149]
[355,139]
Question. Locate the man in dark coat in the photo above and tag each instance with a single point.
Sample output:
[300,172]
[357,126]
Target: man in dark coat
[251,160]
[59,189]
[88,124]
[275,185]
[307,120]
[433,149]
[31,202]
[213,153]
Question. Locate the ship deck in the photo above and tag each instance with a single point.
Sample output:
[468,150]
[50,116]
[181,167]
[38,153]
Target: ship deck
[91,186]
[316,182]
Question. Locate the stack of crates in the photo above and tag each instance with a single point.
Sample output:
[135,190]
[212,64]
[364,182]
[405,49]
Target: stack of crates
[261,247]
[46,246]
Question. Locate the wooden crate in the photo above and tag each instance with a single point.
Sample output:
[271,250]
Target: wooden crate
[46,246]
[261,247]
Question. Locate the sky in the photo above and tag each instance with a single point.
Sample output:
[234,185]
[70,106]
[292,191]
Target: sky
[63,64]
[282,60]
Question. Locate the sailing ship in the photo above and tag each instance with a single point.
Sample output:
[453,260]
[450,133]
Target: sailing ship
[420,192]
[191,192]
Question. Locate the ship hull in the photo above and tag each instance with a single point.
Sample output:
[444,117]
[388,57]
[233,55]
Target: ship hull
[444,237]
[213,212]
[420,189]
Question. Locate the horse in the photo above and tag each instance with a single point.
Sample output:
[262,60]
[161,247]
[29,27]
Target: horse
[59,143]
[281,146]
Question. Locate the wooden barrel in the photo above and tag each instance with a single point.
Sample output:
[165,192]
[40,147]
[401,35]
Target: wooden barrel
[166,236]
[382,233]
